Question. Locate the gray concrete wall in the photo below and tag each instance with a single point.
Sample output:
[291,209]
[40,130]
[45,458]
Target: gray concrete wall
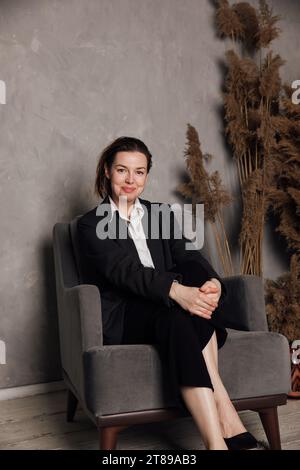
[78,75]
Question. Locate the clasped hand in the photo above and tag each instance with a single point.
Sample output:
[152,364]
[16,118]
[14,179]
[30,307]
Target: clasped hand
[201,301]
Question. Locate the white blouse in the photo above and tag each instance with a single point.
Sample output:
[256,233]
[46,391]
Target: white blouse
[136,231]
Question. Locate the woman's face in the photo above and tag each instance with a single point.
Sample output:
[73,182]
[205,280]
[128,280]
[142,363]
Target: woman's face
[128,175]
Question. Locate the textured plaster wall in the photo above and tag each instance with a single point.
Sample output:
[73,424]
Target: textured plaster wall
[79,74]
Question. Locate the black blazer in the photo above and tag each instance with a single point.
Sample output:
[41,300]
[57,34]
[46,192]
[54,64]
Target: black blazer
[114,266]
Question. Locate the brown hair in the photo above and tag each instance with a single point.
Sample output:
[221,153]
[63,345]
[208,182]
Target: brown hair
[107,156]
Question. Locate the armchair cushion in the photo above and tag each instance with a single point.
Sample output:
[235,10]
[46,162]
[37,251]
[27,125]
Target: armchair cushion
[128,378]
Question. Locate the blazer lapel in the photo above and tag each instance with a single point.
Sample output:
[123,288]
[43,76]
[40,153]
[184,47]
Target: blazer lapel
[154,245]
[127,242]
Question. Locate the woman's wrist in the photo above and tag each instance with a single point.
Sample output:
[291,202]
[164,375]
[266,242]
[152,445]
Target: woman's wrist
[173,290]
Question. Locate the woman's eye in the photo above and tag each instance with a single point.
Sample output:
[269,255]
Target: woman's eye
[120,170]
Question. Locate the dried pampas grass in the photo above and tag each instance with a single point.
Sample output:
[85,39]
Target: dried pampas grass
[207,189]
[268,29]
[282,301]
[262,126]
[228,22]
[251,98]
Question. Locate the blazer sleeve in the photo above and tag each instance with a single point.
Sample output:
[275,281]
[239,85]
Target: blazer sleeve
[118,267]
[181,254]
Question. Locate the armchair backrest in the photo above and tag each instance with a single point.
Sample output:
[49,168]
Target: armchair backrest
[66,268]
[72,327]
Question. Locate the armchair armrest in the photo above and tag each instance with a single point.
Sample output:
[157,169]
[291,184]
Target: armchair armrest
[80,328]
[244,305]
[84,306]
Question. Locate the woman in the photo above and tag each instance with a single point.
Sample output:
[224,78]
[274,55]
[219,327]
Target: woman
[155,291]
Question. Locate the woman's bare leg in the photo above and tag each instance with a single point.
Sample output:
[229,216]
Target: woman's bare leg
[230,421]
[201,403]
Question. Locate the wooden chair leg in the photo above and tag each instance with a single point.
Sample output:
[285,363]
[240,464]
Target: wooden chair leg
[269,419]
[71,406]
[108,437]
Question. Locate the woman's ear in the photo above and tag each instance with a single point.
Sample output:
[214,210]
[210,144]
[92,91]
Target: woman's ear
[106,171]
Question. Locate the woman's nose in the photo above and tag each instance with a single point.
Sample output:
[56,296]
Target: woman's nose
[129,178]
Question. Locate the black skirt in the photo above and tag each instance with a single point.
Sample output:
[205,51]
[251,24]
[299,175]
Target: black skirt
[178,336]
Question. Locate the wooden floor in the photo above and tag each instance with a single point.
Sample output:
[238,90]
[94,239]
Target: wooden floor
[39,422]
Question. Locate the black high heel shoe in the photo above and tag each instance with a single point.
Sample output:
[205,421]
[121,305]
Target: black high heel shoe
[242,441]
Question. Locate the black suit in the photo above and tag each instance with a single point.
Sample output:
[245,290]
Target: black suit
[114,266]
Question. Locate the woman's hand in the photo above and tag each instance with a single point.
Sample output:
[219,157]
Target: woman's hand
[194,300]
[212,289]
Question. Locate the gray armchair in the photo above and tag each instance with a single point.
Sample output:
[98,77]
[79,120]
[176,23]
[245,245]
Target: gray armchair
[120,385]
